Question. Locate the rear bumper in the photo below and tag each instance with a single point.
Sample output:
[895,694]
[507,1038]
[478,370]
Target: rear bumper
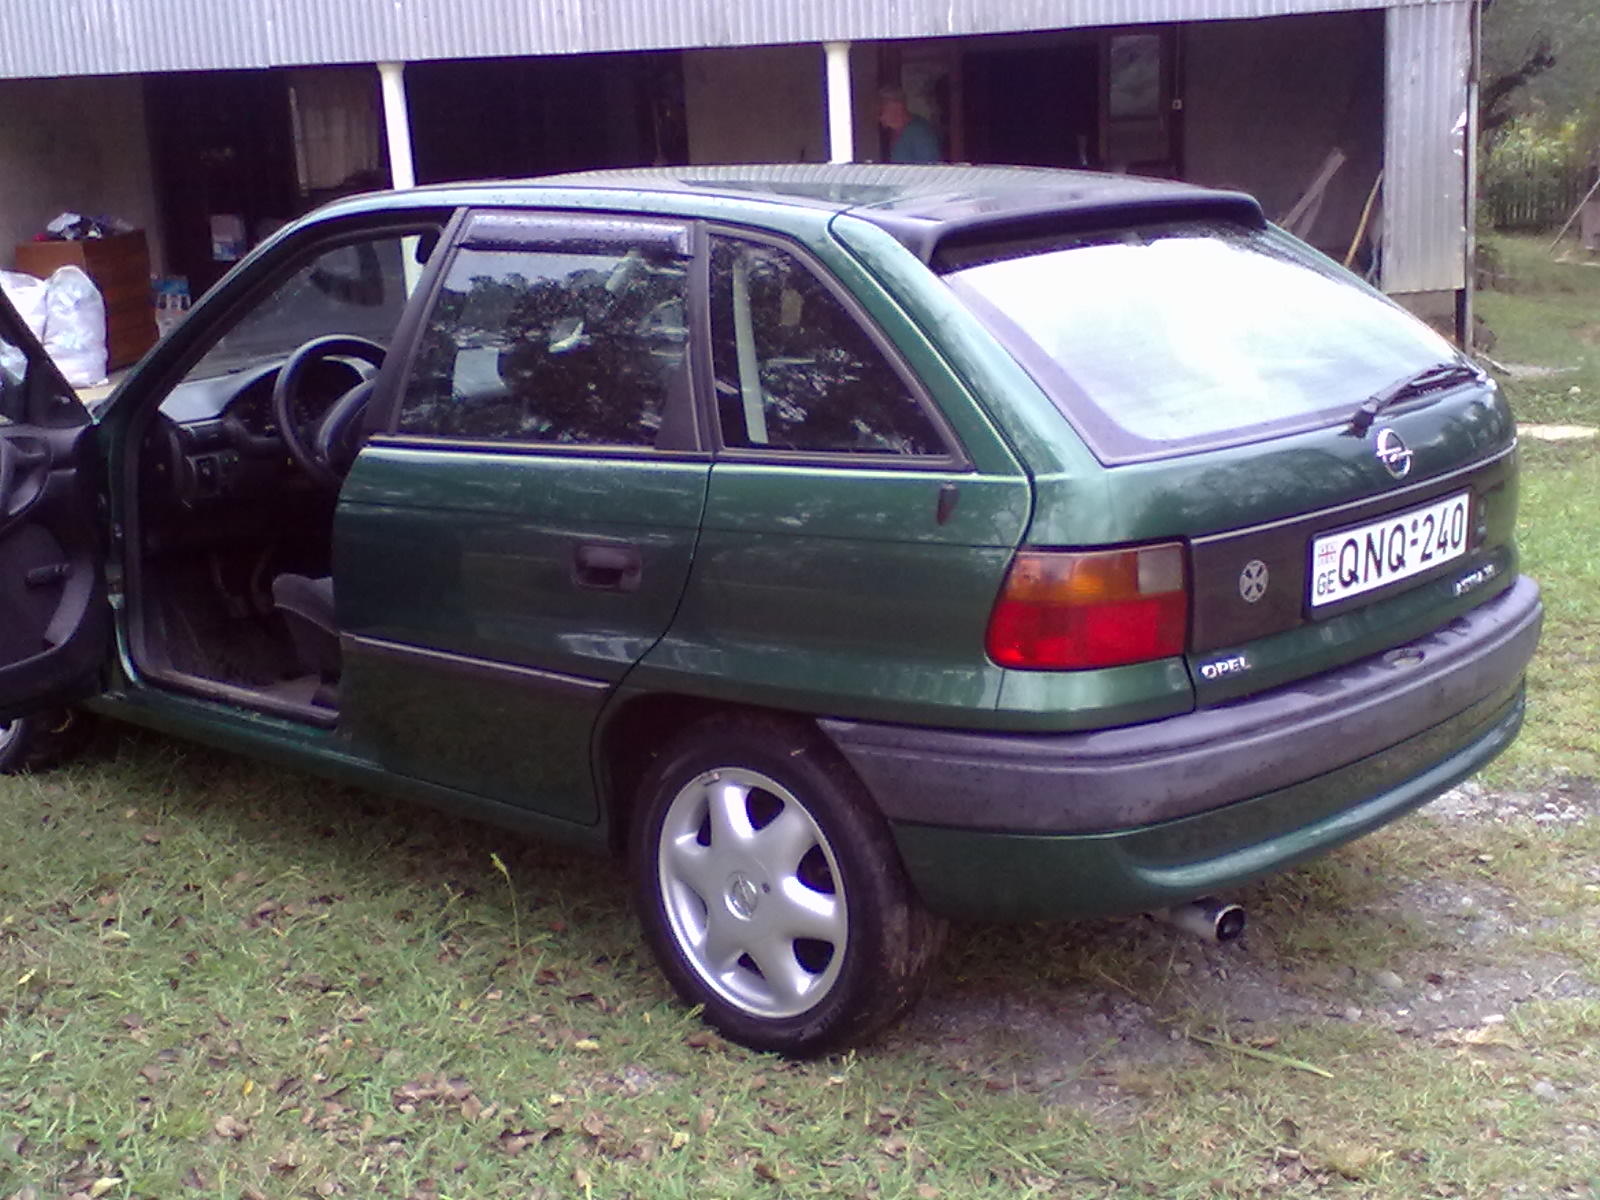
[1126,819]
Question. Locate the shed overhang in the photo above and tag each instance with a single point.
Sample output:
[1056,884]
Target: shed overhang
[110,37]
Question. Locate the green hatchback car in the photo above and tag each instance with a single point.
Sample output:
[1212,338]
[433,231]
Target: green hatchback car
[851,547]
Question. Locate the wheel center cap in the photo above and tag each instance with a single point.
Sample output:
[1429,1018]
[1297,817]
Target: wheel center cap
[743,896]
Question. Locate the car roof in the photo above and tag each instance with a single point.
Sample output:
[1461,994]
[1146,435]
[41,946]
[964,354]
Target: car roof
[925,207]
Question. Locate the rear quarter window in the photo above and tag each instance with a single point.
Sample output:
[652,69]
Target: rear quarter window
[796,372]
[1183,336]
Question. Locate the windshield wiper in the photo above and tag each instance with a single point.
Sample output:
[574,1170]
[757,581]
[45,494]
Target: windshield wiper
[1426,380]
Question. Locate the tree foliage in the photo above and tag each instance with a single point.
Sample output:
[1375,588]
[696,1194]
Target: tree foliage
[1541,59]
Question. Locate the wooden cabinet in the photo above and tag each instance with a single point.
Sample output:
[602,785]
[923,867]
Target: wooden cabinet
[120,268]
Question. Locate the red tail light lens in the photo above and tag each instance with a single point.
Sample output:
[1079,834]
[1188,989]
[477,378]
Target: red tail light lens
[1065,610]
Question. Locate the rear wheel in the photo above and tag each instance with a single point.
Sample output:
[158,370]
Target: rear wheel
[39,741]
[772,893]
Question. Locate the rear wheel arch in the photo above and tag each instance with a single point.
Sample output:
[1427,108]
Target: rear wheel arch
[632,737]
[628,741]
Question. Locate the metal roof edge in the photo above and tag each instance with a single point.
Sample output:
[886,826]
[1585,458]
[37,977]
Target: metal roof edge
[109,37]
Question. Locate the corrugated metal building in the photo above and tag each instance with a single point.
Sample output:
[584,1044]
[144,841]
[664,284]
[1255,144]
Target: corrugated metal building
[173,112]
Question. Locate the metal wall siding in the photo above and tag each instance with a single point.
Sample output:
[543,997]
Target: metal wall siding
[200,32]
[88,37]
[1424,180]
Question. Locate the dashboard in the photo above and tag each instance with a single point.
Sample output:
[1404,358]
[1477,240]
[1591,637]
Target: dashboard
[216,439]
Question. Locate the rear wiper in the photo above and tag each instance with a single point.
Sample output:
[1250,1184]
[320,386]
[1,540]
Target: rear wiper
[1425,380]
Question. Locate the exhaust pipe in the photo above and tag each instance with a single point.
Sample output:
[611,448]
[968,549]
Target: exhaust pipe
[1209,919]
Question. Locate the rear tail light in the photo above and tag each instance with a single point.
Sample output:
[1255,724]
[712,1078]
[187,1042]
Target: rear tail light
[1061,610]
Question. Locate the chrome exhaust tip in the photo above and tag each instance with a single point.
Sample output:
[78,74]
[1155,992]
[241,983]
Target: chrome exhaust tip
[1209,919]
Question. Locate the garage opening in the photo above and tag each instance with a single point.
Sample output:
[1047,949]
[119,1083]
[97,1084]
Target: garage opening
[514,117]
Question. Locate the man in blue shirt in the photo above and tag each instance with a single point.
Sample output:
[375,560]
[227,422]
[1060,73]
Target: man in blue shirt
[912,139]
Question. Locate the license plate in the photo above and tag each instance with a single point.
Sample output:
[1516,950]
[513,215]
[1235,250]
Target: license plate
[1401,545]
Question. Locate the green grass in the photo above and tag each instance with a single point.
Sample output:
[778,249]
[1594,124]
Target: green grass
[1560,491]
[220,979]
[1545,313]
[1551,318]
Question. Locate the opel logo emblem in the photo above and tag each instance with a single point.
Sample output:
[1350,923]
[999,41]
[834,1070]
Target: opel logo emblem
[1253,581]
[743,897]
[1394,454]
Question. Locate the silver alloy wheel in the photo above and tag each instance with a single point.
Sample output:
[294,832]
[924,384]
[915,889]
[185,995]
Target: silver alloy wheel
[9,731]
[752,892]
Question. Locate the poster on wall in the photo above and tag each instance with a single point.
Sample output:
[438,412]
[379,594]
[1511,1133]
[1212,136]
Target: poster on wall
[227,237]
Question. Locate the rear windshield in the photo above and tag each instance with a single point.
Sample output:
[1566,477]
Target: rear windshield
[1174,337]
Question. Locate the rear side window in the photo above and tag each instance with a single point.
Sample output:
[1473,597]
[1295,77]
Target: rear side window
[795,370]
[577,346]
[1172,337]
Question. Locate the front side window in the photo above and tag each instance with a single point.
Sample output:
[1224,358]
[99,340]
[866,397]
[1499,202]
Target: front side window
[795,370]
[13,371]
[358,288]
[575,346]
[1171,337]
[30,392]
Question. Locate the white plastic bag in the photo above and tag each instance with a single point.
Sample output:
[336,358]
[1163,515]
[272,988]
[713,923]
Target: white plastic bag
[27,296]
[75,326]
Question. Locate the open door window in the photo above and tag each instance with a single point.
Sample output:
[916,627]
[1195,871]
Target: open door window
[54,621]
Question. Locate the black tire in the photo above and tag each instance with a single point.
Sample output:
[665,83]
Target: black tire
[847,945]
[40,741]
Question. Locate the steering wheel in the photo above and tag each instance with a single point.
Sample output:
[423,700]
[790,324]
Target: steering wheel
[317,450]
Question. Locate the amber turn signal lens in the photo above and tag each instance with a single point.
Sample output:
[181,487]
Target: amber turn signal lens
[1067,610]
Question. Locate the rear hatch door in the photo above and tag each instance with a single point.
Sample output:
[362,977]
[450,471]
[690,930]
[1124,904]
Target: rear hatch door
[1343,478]
[1369,561]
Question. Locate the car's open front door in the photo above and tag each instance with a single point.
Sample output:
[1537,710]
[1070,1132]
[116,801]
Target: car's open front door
[54,620]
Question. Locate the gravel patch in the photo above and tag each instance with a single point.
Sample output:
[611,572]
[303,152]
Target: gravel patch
[1558,433]
[1083,1043]
[1565,802]
[1531,370]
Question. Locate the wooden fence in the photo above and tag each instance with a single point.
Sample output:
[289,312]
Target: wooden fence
[1529,191]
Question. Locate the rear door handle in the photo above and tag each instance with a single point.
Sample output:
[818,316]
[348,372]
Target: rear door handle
[607,567]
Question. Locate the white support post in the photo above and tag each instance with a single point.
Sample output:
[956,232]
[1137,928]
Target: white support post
[402,168]
[841,110]
[1466,318]
[397,124]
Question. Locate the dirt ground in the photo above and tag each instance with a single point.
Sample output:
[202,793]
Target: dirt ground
[1464,969]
